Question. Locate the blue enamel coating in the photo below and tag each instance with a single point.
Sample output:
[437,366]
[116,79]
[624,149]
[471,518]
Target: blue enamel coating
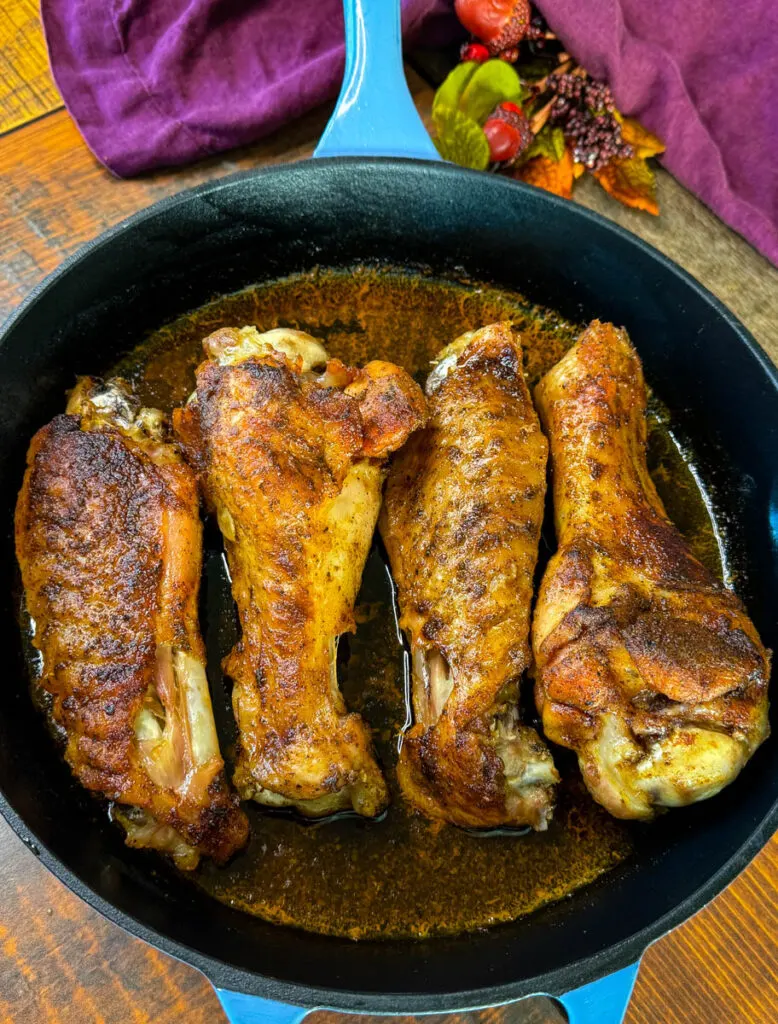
[603,1001]
[375,115]
[243,1009]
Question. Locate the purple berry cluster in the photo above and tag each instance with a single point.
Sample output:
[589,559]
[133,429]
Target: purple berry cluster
[583,108]
[598,96]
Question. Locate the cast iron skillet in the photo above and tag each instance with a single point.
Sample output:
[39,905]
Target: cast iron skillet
[723,393]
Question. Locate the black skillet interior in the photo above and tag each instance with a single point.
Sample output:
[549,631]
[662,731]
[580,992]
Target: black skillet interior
[722,391]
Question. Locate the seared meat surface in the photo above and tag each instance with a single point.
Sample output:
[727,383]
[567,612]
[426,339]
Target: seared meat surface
[461,524]
[647,666]
[291,449]
[108,538]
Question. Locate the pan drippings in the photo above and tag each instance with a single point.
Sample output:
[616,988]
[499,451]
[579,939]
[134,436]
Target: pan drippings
[400,876]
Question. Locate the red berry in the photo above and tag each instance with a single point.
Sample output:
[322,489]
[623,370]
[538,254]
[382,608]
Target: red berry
[504,140]
[474,51]
[512,116]
[500,24]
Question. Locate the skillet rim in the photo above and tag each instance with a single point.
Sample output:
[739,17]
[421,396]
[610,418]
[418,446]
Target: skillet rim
[403,164]
[555,982]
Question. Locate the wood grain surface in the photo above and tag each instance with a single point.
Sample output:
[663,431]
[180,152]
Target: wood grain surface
[27,89]
[59,960]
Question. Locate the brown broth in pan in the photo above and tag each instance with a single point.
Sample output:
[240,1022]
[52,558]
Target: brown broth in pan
[400,876]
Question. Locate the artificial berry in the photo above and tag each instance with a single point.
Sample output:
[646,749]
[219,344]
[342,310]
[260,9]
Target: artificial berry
[500,24]
[503,139]
[510,56]
[519,133]
[474,51]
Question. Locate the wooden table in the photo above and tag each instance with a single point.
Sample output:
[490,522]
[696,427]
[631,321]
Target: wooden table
[59,960]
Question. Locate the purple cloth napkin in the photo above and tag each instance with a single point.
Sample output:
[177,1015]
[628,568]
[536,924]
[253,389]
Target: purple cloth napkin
[157,82]
[702,74]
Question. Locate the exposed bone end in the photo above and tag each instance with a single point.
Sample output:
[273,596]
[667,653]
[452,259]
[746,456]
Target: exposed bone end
[146,833]
[318,807]
[232,345]
[361,795]
[111,403]
[433,682]
[492,773]
[530,775]
[690,763]
[178,748]
[175,730]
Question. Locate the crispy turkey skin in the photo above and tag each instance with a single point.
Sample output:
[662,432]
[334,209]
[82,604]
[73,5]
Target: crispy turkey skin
[646,665]
[461,524]
[291,447]
[108,538]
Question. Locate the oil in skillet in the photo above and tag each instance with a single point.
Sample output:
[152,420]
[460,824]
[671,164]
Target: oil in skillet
[400,876]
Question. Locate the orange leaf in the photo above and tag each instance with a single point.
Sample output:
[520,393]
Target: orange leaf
[553,176]
[644,142]
[632,182]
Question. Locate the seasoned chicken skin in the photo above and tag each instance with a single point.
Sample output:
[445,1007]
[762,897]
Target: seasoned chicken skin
[291,447]
[108,537]
[461,524]
[647,666]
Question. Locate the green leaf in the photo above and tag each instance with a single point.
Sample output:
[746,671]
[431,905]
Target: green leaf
[491,83]
[450,91]
[558,144]
[549,142]
[460,139]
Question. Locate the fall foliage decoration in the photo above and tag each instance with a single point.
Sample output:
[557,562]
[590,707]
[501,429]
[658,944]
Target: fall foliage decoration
[519,104]
[555,176]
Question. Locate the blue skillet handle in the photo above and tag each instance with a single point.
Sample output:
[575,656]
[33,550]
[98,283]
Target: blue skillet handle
[603,1001]
[243,1009]
[375,115]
